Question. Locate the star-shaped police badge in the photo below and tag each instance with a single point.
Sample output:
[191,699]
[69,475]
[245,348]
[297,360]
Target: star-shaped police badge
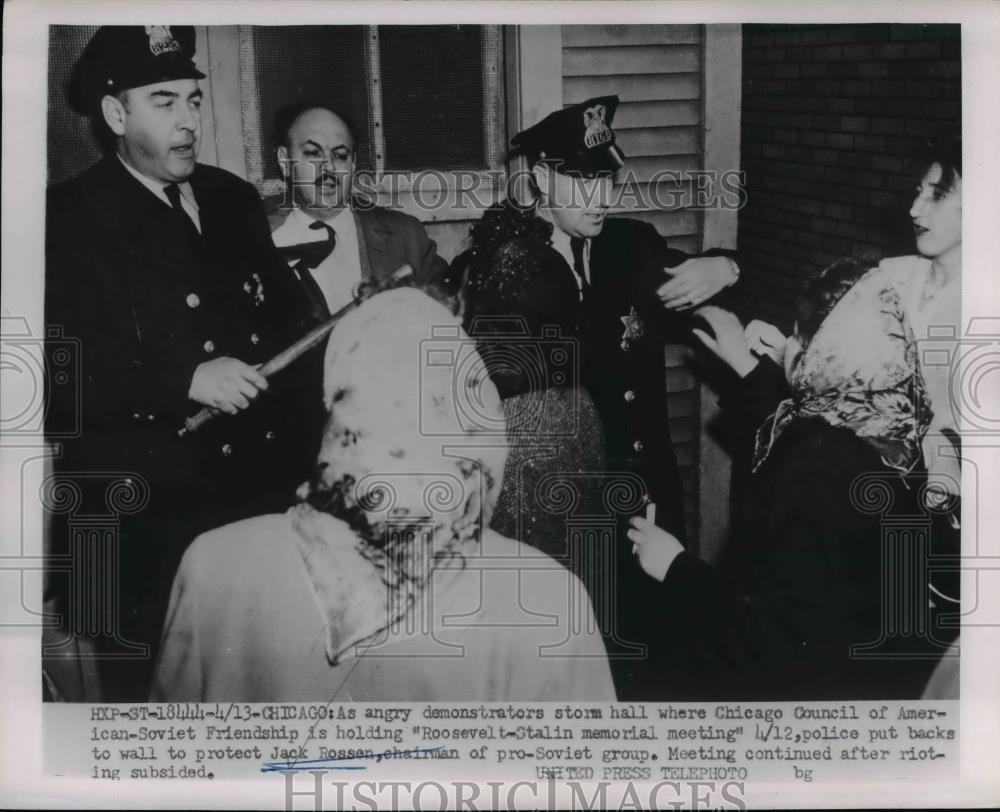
[633,327]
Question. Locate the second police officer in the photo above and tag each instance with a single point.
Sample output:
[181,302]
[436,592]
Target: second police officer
[635,292]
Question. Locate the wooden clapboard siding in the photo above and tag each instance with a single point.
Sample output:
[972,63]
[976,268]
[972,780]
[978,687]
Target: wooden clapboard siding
[657,73]
[656,141]
[690,243]
[682,404]
[633,88]
[603,36]
[658,114]
[671,223]
[646,168]
[631,196]
[679,379]
[628,59]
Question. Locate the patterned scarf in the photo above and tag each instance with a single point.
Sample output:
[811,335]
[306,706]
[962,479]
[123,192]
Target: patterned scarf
[860,372]
[410,465]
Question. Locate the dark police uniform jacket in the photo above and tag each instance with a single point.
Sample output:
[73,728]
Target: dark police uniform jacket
[148,301]
[624,369]
[624,328]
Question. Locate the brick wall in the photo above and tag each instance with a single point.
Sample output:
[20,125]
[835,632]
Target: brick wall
[832,117]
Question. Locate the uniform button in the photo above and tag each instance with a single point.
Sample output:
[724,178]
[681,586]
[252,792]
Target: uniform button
[136,416]
[247,287]
[151,417]
[193,300]
[629,396]
[637,445]
[269,435]
[227,449]
[128,481]
[254,339]
[209,346]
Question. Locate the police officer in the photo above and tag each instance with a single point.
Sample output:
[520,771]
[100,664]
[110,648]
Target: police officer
[634,289]
[636,292]
[163,269]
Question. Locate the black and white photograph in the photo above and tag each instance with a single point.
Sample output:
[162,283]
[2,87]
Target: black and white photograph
[605,364]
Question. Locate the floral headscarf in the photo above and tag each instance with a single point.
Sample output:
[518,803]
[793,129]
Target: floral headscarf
[410,464]
[860,371]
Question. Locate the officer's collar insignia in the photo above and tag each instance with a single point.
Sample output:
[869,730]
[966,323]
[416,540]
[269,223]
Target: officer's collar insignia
[633,325]
[161,41]
[597,130]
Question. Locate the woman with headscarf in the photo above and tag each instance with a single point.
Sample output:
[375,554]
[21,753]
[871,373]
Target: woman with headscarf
[930,284]
[383,583]
[800,593]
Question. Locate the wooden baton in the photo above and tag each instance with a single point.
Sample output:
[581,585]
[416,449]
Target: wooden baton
[296,350]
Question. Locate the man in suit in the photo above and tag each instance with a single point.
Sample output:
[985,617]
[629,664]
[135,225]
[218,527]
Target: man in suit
[636,293]
[331,239]
[164,271]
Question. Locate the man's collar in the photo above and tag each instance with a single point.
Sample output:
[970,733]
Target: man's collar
[307,219]
[157,187]
[296,229]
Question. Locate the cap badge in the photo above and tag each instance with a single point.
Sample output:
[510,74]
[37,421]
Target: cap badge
[161,41]
[597,131]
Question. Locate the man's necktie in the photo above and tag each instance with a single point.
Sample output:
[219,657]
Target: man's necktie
[329,245]
[173,193]
[311,254]
[576,245]
[305,257]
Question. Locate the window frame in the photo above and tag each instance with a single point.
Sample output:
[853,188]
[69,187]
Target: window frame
[438,196]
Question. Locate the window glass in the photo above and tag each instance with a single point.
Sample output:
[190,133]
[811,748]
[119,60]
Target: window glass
[432,96]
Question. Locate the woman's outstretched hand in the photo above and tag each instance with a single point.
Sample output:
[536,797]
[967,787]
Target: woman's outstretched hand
[654,548]
[729,341]
[764,338]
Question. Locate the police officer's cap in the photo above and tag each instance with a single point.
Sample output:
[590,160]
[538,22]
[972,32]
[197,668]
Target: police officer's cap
[120,57]
[576,140]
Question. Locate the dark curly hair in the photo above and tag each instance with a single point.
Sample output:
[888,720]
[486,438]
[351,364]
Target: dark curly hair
[946,152]
[823,293]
